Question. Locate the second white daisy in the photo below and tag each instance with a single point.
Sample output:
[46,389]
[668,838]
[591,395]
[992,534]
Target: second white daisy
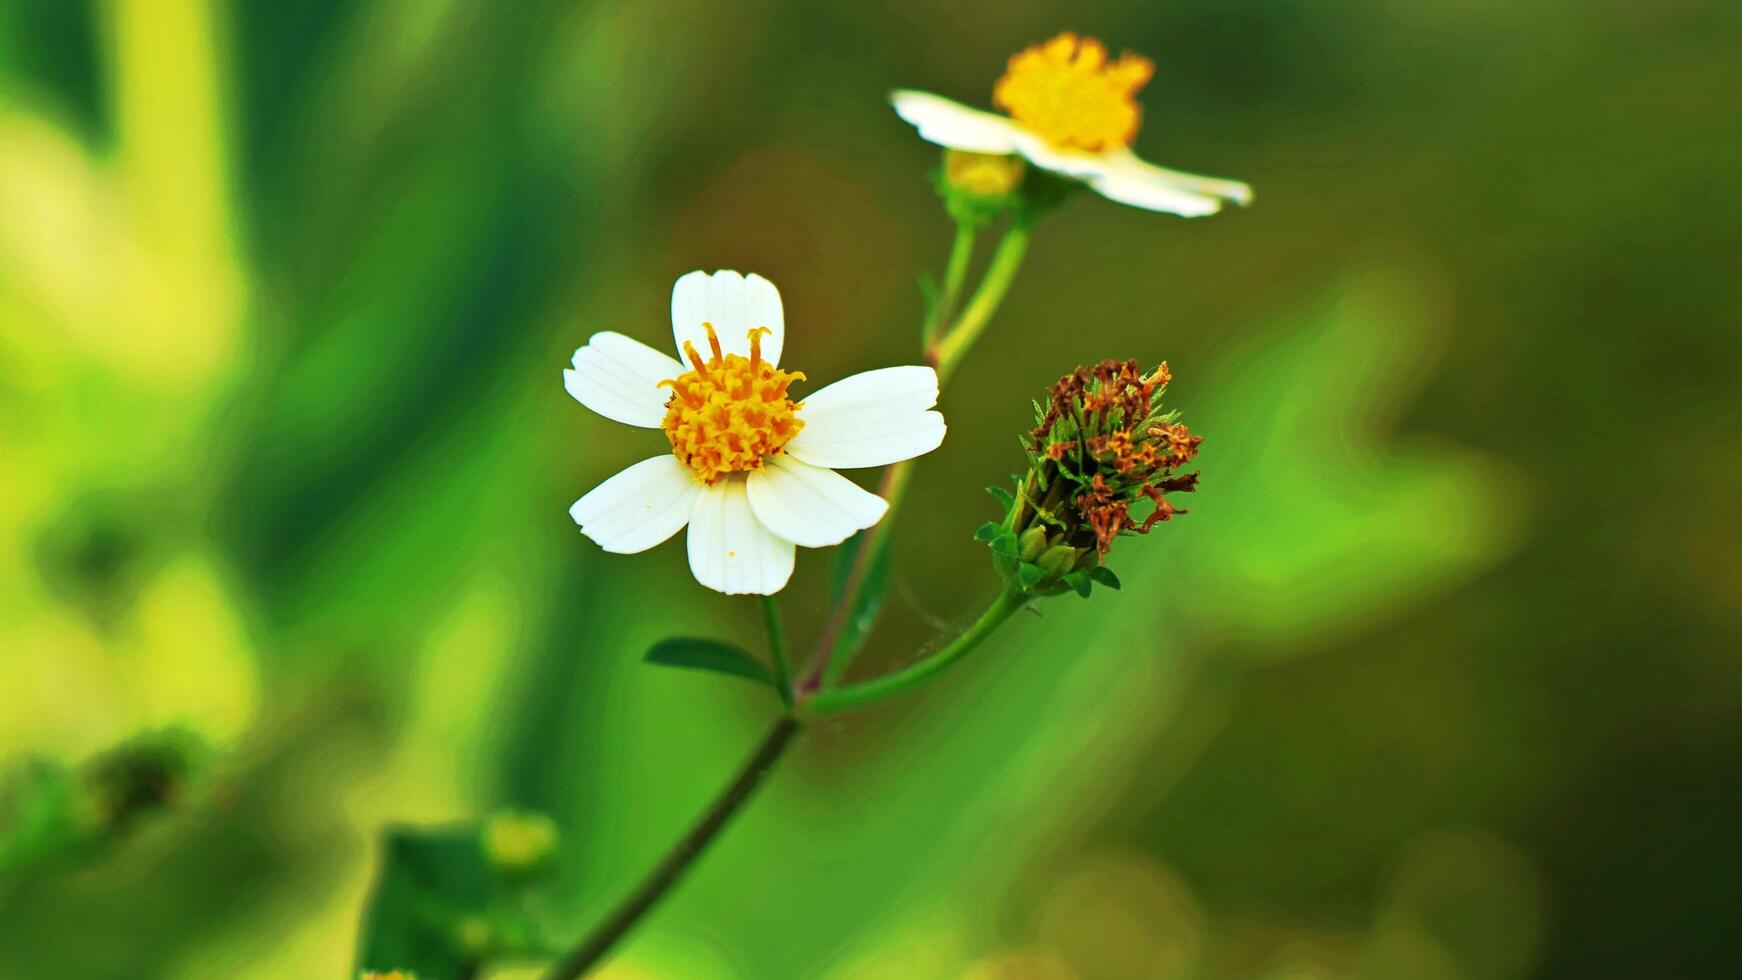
[751,470]
[1073,111]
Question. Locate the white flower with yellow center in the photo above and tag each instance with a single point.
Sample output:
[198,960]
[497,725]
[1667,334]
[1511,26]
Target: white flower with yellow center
[1073,112]
[751,470]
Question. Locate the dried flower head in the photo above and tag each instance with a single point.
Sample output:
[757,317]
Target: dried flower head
[1103,456]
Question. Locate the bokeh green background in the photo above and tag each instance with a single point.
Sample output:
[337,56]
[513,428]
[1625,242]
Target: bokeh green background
[1439,678]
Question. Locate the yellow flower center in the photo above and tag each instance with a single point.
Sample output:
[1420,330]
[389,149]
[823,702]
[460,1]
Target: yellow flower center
[731,411]
[1069,92]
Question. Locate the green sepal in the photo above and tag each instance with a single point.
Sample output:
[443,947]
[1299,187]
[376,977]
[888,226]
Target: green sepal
[1029,575]
[1080,582]
[699,653]
[1003,542]
[1105,576]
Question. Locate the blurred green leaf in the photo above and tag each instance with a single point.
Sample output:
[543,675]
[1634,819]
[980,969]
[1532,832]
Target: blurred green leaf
[697,653]
[428,904]
[1105,576]
[39,816]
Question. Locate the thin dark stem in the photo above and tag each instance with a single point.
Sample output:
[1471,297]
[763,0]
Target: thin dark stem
[682,855]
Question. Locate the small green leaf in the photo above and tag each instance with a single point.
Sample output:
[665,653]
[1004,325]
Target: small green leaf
[698,653]
[1081,582]
[987,531]
[875,586]
[1029,575]
[1105,576]
[430,893]
[1004,496]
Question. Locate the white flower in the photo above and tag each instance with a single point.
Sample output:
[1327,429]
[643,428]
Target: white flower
[1073,112]
[751,470]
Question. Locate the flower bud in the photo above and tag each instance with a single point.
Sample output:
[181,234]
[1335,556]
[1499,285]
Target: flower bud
[1102,456]
[978,187]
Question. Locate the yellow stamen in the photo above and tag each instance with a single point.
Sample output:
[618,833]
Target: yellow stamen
[731,412]
[1069,92]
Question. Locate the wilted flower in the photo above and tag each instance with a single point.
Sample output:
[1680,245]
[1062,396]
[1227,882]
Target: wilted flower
[1074,112]
[1102,447]
[751,469]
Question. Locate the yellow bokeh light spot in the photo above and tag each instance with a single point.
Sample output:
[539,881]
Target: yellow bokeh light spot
[730,412]
[1067,91]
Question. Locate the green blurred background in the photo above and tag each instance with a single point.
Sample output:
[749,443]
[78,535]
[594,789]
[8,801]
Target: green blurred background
[1439,678]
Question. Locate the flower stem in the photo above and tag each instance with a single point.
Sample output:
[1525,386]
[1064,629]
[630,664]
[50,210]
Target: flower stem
[777,651]
[948,351]
[835,648]
[889,685]
[682,855]
[836,645]
[955,276]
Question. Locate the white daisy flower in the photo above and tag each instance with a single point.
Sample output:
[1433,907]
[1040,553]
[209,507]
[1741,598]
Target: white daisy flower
[1072,112]
[751,470]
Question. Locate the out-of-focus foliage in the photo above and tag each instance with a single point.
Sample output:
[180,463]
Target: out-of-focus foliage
[1435,680]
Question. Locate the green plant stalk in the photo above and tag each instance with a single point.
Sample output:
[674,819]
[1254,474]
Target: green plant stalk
[1000,274]
[682,855]
[835,649]
[777,649]
[836,645]
[955,276]
[889,685]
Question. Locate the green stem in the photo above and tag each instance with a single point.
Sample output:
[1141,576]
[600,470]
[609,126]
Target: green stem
[955,276]
[948,351]
[889,685]
[777,652]
[682,855]
[835,649]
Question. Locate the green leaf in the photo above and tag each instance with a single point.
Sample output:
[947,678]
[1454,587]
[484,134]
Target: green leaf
[1081,582]
[988,531]
[429,903]
[1105,576]
[698,653]
[875,586]
[1004,496]
[1029,575]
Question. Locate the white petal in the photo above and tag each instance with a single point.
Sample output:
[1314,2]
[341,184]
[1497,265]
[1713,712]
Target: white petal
[1228,190]
[870,419]
[639,507]
[809,505]
[952,124]
[1129,180]
[619,378]
[730,550]
[1066,160]
[735,305]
